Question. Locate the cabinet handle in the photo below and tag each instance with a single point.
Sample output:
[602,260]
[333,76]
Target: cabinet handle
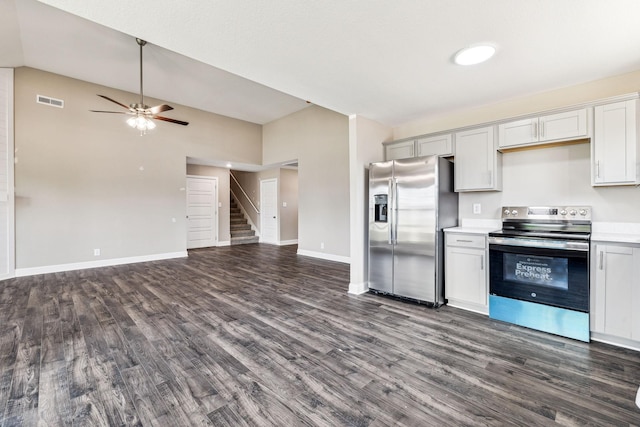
[412,153]
[463,241]
[601,260]
[481,262]
[535,130]
[598,169]
[541,129]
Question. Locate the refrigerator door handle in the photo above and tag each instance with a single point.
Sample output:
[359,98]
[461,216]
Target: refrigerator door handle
[395,211]
[390,210]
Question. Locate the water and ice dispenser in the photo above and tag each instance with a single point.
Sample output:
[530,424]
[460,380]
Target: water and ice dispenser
[380,207]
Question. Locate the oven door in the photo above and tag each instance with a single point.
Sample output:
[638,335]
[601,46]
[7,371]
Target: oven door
[542,271]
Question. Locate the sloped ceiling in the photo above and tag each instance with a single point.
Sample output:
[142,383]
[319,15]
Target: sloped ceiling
[388,61]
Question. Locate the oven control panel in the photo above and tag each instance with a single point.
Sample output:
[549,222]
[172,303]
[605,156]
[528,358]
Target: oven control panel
[582,213]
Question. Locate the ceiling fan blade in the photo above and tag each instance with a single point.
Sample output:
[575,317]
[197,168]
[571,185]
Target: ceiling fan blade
[159,109]
[114,112]
[115,102]
[166,119]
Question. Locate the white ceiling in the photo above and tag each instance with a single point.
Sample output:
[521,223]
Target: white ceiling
[387,61]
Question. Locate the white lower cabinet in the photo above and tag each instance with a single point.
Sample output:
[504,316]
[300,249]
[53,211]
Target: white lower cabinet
[466,267]
[615,291]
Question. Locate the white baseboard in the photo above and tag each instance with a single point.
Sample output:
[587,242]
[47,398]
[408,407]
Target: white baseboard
[358,288]
[617,341]
[288,242]
[225,243]
[322,255]
[21,272]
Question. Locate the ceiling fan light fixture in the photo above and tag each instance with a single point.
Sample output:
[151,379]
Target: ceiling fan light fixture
[141,123]
[475,54]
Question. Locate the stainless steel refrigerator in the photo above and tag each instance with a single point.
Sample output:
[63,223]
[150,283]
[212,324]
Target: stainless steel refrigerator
[410,202]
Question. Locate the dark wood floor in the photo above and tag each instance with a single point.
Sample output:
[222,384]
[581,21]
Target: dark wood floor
[254,335]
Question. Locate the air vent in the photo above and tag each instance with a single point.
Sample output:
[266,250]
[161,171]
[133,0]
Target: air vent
[47,100]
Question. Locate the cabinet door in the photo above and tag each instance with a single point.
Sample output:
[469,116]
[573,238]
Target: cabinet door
[617,302]
[477,161]
[615,145]
[465,275]
[556,127]
[518,132]
[440,145]
[399,150]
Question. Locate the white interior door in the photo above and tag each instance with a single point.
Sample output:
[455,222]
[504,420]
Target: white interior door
[202,211]
[269,211]
[7,232]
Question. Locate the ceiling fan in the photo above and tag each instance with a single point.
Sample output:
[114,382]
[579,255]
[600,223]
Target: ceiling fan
[141,113]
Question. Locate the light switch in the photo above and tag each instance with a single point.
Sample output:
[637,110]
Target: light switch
[284,204]
[477,208]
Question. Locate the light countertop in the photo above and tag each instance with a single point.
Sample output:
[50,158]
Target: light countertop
[476,226]
[615,232]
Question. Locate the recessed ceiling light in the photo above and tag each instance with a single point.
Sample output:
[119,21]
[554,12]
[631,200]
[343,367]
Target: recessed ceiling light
[474,54]
[229,165]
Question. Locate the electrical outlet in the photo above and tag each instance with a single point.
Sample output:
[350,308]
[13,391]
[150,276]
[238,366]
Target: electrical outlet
[321,245]
[477,208]
[96,252]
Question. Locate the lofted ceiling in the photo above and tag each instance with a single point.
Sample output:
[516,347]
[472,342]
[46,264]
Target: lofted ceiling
[387,61]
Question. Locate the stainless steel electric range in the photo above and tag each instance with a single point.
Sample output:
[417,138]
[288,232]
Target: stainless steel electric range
[539,269]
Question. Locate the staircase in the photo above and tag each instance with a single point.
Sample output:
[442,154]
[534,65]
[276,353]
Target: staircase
[241,232]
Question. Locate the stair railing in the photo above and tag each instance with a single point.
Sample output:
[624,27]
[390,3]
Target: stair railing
[244,193]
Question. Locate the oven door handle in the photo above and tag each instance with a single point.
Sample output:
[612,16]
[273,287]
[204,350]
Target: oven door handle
[540,243]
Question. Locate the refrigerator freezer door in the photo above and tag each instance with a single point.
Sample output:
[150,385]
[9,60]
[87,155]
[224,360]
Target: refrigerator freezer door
[415,228]
[380,227]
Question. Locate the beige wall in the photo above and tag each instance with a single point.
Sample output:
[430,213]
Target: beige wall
[319,139]
[559,98]
[222,174]
[86,180]
[559,175]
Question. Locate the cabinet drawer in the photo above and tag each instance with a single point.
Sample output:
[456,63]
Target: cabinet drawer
[466,240]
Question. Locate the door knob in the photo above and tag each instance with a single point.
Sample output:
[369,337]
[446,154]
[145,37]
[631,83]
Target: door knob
[274,217]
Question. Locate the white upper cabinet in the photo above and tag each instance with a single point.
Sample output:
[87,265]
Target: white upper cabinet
[478,165]
[544,129]
[399,150]
[615,145]
[439,145]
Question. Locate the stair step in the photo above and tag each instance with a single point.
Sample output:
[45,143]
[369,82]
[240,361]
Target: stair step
[238,220]
[240,233]
[244,240]
[240,226]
